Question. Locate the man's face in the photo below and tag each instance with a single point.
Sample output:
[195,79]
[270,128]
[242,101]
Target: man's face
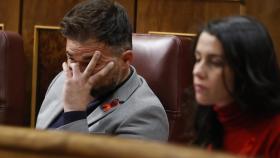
[82,53]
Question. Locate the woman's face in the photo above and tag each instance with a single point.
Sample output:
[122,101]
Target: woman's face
[212,77]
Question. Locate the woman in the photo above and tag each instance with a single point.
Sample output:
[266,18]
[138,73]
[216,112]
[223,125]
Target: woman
[237,86]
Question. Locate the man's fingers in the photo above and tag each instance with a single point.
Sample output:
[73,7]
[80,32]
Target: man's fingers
[90,67]
[101,74]
[66,70]
[75,70]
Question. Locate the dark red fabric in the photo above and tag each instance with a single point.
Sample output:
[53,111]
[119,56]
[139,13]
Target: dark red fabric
[250,135]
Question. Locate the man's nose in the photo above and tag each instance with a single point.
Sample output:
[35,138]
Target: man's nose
[83,66]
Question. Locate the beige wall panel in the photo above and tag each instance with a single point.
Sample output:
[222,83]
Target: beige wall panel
[10,14]
[181,15]
[268,12]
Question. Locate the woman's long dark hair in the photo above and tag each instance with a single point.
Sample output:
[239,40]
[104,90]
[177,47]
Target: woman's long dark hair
[250,53]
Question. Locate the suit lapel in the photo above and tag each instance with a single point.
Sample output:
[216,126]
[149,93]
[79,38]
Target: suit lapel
[98,114]
[122,94]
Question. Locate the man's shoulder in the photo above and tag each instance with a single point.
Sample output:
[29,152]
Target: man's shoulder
[141,100]
[60,77]
[144,95]
[55,88]
[58,80]
[136,93]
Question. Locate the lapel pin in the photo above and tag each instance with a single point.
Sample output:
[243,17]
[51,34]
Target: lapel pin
[107,106]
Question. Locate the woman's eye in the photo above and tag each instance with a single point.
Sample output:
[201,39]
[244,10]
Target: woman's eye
[217,62]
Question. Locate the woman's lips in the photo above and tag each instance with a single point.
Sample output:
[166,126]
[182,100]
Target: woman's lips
[199,88]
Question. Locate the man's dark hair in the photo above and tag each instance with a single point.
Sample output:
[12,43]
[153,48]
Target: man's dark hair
[102,20]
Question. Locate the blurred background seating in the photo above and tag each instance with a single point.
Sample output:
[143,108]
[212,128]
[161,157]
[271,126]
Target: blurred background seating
[165,61]
[13,107]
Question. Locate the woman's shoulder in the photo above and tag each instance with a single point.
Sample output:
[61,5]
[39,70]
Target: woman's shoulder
[270,124]
[268,128]
[273,137]
[272,129]
[275,123]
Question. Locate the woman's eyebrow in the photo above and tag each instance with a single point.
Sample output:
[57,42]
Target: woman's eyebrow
[215,55]
[210,54]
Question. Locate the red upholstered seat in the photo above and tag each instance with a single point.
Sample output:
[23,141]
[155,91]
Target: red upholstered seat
[13,109]
[165,61]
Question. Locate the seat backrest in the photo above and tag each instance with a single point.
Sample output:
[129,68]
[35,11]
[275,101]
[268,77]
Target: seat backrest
[13,107]
[165,61]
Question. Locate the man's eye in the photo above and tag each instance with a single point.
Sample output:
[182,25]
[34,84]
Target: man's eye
[87,58]
[83,64]
[71,60]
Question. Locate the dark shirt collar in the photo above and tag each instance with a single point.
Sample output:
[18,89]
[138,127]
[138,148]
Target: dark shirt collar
[96,102]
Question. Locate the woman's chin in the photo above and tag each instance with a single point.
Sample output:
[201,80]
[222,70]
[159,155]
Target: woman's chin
[203,101]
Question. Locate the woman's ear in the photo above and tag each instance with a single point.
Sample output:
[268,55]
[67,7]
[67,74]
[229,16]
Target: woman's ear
[127,57]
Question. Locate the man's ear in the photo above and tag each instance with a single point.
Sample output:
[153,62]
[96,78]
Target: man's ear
[127,57]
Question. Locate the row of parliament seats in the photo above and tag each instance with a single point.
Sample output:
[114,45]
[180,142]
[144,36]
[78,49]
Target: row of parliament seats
[166,63]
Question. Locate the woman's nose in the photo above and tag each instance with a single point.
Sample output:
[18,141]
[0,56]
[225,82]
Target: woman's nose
[199,70]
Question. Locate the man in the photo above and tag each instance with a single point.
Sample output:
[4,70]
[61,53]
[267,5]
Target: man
[98,90]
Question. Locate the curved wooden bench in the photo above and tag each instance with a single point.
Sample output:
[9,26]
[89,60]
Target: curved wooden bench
[18,142]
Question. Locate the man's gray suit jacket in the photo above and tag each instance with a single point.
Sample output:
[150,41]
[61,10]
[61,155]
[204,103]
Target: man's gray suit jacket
[139,115]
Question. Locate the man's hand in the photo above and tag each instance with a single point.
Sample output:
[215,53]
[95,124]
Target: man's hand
[77,86]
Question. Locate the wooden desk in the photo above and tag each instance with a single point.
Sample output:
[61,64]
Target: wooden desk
[28,143]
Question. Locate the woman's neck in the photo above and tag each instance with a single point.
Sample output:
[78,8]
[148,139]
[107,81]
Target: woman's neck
[223,104]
